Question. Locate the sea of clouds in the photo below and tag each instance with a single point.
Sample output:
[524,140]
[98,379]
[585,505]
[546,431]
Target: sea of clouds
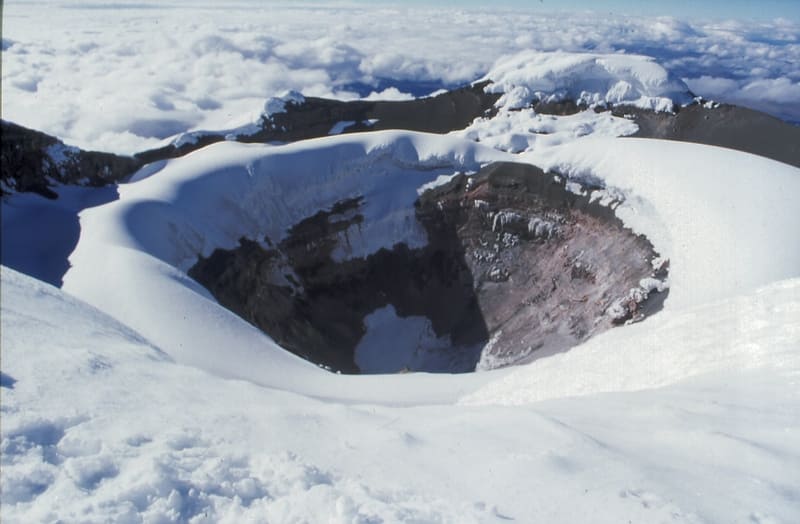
[123,77]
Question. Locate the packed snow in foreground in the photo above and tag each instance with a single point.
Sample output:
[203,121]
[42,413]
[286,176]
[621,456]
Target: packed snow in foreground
[100,425]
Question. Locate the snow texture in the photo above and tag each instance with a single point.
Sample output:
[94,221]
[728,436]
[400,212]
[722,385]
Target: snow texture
[395,344]
[103,426]
[38,234]
[587,78]
[339,127]
[250,125]
[277,104]
[141,244]
[522,130]
[167,407]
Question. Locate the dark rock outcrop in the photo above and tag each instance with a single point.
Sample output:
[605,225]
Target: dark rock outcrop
[315,307]
[33,161]
[722,125]
[551,267]
[315,117]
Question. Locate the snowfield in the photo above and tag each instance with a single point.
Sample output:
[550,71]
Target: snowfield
[99,425]
[591,79]
[213,197]
[131,395]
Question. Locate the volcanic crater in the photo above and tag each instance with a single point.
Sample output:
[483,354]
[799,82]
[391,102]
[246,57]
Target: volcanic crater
[519,264]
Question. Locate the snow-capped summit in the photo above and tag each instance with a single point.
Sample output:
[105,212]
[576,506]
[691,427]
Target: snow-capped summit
[587,78]
[247,125]
[277,104]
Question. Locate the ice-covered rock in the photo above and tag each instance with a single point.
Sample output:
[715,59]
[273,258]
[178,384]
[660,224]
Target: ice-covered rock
[277,104]
[532,227]
[503,219]
[587,78]
[538,228]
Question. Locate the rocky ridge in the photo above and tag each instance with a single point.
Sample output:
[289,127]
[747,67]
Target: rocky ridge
[34,161]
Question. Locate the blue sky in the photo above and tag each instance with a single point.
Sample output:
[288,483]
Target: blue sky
[724,9]
[746,9]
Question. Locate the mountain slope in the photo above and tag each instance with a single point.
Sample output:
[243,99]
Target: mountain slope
[102,426]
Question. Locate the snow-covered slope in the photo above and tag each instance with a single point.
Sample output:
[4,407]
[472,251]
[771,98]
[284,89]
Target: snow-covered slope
[121,433]
[749,331]
[522,130]
[246,125]
[38,234]
[589,80]
[215,196]
[690,416]
[593,79]
[99,425]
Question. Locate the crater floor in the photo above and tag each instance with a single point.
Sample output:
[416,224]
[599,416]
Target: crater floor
[517,266]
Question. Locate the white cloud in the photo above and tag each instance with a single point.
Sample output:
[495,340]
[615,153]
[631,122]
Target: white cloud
[390,93]
[123,78]
[707,85]
[779,96]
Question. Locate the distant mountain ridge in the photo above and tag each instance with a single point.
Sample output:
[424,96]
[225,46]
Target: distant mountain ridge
[33,161]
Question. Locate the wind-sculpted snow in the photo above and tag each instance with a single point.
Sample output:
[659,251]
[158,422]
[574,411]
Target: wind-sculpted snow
[227,191]
[521,130]
[102,426]
[250,124]
[161,413]
[591,79]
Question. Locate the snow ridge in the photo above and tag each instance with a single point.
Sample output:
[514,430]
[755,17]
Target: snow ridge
[249,124]
[587,78]
[212,197]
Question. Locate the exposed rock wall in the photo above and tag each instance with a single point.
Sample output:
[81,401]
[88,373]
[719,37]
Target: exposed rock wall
[725,126]
[548,264]
[33,161]
[516,266]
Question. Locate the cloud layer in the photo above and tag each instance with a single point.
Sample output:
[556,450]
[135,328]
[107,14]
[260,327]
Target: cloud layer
[122,77]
